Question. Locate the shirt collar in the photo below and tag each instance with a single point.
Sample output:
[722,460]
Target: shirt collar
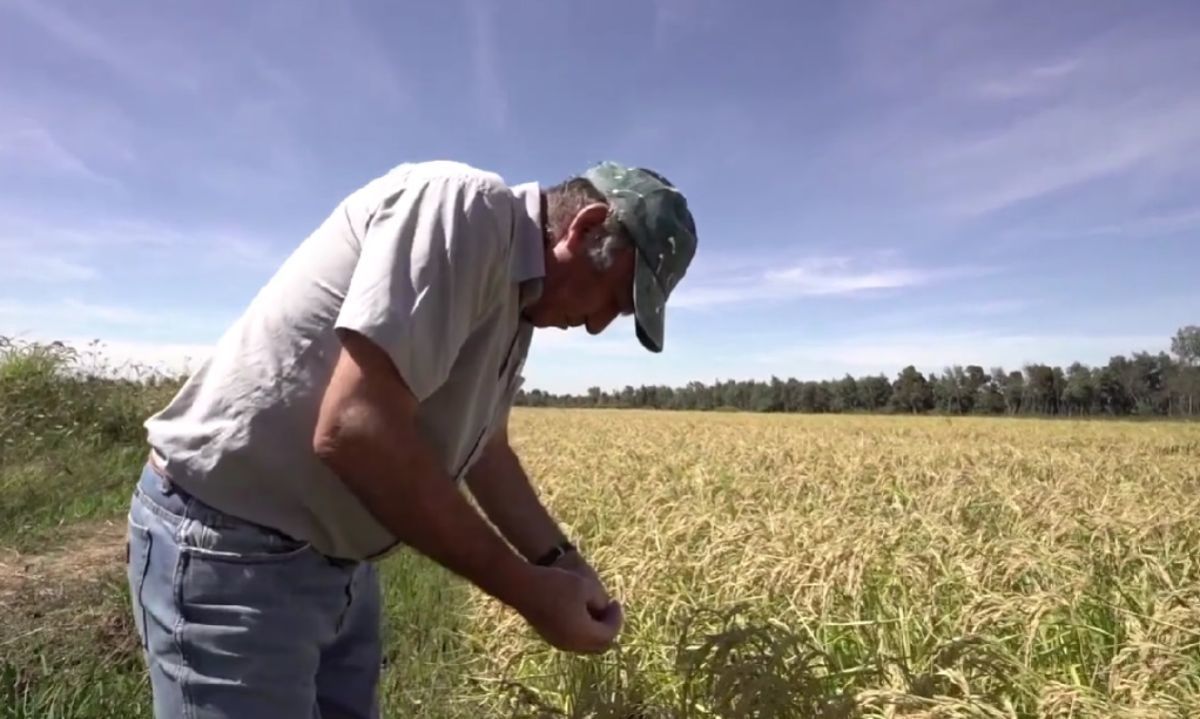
[528,258]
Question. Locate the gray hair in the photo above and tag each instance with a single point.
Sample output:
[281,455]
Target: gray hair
[604,246]
[566,199]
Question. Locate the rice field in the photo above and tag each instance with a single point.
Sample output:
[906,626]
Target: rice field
[917,567]
[792,566]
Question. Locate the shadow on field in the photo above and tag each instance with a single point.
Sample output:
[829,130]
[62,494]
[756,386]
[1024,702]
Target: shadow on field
[726,664]
[731,664]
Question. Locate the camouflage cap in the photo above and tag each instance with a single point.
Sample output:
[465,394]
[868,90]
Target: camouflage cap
[656,218]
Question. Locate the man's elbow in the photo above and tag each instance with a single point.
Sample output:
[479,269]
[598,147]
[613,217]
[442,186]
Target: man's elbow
[358,438]
[326,445]
[367,413]
[341,433]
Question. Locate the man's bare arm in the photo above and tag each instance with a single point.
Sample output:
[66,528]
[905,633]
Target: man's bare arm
[501,487]
[367,434]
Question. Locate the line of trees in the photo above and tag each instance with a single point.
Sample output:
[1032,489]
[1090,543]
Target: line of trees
[1142,384]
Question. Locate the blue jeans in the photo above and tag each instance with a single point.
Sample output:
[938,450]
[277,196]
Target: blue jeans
[237,620]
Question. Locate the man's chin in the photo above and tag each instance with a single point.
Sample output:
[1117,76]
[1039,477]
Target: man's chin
[539,321]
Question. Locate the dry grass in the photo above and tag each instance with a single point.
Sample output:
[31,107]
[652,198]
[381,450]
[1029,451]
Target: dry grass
[913,567]
[88,549]
[771,566]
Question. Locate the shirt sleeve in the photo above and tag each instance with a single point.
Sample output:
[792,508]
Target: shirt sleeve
[431,259]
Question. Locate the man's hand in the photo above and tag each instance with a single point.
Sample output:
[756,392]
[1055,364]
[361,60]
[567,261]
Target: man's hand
[570,611]
[506,495]
[574,562]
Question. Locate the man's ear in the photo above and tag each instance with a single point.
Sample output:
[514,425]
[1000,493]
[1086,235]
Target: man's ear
[586,221]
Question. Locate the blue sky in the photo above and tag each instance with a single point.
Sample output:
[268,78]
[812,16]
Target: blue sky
[874,183]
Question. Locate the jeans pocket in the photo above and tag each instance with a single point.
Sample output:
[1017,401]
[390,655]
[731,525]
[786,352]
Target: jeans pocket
[140,542]
[235,541]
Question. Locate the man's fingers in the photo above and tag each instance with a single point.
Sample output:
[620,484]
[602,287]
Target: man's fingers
[603,628]
[598,601]
[588,620]
[615,616]
[610,616]
[597,595]
[603,617]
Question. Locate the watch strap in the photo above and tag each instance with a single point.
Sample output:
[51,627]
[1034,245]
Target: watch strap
[555,553]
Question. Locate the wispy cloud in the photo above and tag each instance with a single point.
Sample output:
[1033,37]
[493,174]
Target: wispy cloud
[74,35]
[677,20]
[39,264]
[572,360]
[1145,226]
[35,151]
[813,277]
[930,351]
[1035,81]
[901,318]
[111,314]
[73,310]
[248,110]
[489,85]
[977,115]
[992,308]
[233,249]
[1057,149]
[834,276]
[123,56]
[617,341]
[78,250]
[113,233]
[375,79]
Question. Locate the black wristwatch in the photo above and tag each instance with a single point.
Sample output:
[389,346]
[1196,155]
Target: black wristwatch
[556,553]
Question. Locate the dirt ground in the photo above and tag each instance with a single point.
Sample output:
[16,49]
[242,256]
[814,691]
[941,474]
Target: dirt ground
[90,550]
[49,592]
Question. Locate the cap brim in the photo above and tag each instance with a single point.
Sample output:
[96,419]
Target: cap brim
[649,307]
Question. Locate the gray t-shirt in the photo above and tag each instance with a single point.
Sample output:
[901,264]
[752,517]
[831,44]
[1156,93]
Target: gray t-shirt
[433,261]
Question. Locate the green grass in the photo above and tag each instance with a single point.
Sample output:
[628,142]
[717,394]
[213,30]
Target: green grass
[41,497]
[70,650]
[70,453]
[70,440]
